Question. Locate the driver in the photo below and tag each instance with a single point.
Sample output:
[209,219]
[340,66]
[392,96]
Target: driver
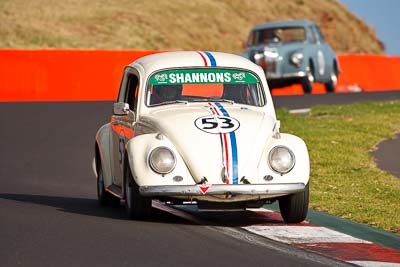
[165,93]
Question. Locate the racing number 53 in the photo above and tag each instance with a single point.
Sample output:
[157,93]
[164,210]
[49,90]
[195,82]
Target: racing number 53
[210,125]
[225,124]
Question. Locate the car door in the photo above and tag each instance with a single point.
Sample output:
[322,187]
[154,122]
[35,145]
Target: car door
[313,48]
[329,56]
[322,55]
[122,122]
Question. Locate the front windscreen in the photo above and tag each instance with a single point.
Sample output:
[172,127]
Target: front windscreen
[204,85]
[279,35]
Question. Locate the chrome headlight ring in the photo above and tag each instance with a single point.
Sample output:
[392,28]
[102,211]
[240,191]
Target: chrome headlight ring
[281,159]
[296,59]
[162,160]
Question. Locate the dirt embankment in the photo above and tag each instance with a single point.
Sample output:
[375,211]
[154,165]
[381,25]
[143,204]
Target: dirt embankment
[178,24]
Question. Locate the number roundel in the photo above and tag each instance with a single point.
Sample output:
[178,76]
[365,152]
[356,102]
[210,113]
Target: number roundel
[222,125]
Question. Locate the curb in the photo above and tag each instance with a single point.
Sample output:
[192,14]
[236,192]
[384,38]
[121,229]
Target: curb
[322,234]
[351,228]
[350,244]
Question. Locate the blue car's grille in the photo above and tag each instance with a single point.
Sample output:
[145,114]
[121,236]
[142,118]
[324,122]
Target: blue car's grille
[271,66]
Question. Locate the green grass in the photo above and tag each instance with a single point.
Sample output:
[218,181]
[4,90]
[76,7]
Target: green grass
[345,180]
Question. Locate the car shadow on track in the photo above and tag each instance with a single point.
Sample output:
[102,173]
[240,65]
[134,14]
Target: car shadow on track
[239,218]
[90,207]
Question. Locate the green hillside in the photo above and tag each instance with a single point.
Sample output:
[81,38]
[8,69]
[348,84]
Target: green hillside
[176,24]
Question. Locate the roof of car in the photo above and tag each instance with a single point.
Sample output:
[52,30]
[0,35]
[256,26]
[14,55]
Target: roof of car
[178,59]
[284,23]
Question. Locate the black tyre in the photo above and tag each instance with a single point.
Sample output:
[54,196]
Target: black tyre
[104,197]
[294,207]
[331,85]
[137,206]
[308,81]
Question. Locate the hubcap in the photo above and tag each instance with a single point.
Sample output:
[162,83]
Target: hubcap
[310,75]
[334,79]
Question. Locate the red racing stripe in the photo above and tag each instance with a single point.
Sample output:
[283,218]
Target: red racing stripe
[225,144]
[216,111]
[226,159]
[204,59]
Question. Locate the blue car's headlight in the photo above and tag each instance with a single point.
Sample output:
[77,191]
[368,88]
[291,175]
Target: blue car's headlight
[296,59]
[281,159]
[162,160]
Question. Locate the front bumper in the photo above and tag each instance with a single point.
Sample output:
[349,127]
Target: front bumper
[298,74]
[264,190]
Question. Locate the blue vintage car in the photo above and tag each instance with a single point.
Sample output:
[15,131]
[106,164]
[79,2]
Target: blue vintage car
[292,52]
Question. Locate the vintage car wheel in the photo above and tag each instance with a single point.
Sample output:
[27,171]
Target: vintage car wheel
[294,207]
[331,85]
[137,206]
[104,197]
[308,81]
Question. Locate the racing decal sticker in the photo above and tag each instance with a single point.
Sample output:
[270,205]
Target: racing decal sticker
[204,188]
[229,145]
[217,125]
[202,76]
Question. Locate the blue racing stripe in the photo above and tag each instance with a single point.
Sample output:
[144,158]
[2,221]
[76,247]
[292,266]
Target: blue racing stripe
[234,158]
[212,59]
[232,136]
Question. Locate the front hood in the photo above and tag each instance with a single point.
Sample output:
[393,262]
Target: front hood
[196,136]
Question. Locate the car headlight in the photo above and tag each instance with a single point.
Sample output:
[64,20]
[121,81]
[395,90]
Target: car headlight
[258,57]
[297,58]
[281,159]
[162,160]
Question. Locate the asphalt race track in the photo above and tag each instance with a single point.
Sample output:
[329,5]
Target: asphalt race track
[49,215]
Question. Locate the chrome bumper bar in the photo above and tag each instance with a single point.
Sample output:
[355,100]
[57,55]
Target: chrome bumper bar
[286,75]
[221,189]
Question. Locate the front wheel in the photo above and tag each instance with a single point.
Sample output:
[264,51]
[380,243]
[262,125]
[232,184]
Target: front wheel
[308,81]
[331,85]
[294,207]
[137,206]
[104,197]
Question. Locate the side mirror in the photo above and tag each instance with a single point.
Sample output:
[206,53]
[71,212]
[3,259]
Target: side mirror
[121,108]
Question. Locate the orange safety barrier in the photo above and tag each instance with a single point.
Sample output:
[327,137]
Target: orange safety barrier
[92,75]
[359,72]
[63,75]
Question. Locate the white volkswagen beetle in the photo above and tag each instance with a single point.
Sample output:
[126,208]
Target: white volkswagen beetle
[199,127]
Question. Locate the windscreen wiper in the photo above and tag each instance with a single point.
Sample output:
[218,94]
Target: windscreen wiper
[221,100]
[172,102]
[213,100]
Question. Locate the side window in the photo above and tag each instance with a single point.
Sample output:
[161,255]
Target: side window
[131,92]
[250,40]
[121,92]
[312,37]
[319,34]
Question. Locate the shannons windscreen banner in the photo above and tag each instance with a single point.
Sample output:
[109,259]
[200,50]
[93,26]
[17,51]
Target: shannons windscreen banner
[202,76]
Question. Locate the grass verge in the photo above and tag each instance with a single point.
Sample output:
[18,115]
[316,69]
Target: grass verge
[345,180]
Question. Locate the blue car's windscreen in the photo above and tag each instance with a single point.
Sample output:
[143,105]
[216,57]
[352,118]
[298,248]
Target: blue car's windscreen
[277,35]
